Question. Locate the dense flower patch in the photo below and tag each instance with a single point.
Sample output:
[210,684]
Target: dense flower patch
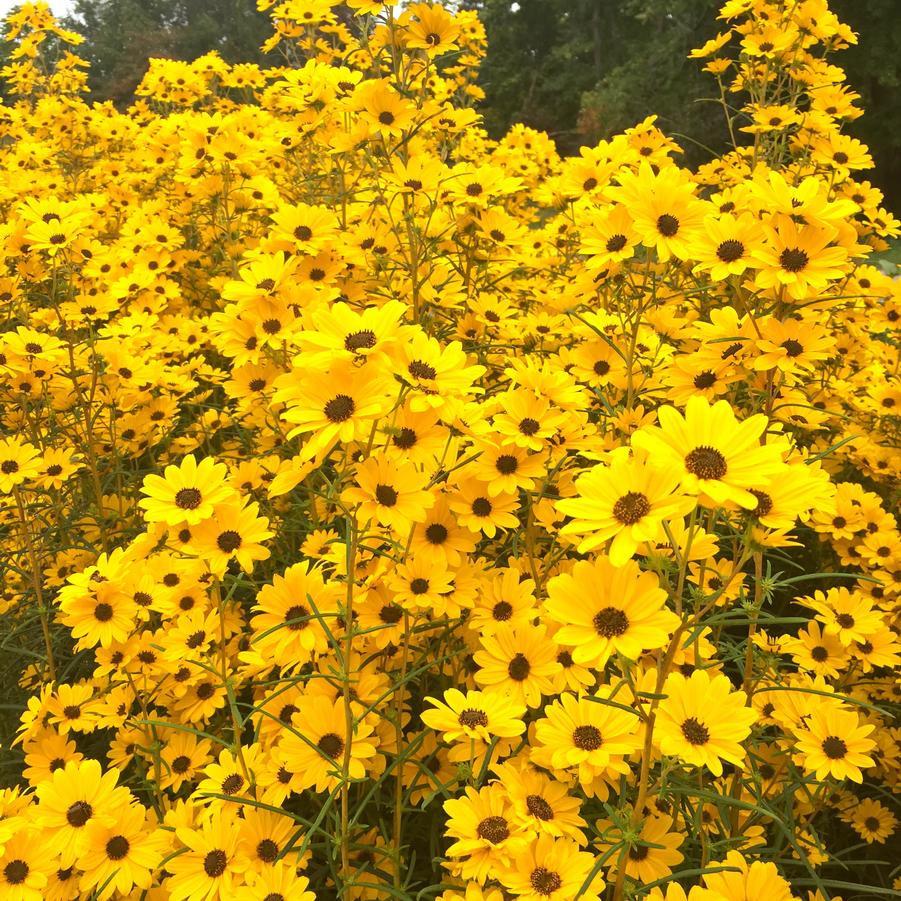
[393,513]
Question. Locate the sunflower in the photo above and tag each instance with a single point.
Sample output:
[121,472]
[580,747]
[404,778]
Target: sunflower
[340,404]
[280,881]
[584,734]
[606,610]
[26,863]
[817,652]
[475,716]
[185,494]
[652,855]
[341,333]
[293,615]
[628,502]
[799,260]
[78,794]
[832,742]
[791,345]
[480,511]
[541,804]
[19,461]
[420,584]
[121,857]
[393,494]
[233,532]
[552,868]
[483,832]
[430,27]
[702,721]
[440,377]
[105,616]
[873,821]
[519,663]
[316,746]
[727,245]
[848,615]
[505,598]
[439,538]
[212,866]
[182,757]
[609,239]
[718,458]
[741,881]
[666,215]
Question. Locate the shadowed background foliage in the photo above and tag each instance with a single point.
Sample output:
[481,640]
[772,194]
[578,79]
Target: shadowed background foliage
[578,69]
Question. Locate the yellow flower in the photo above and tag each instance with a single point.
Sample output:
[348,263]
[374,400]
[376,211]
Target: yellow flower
[627,501]
[719,458]
[702,721]
[606,610]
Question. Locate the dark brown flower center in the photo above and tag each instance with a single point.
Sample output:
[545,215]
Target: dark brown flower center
[730,251]
[391,613]
[295,617]
[117,847]
[705,379]
[667,225]
[706,462]
[529,426]
[419,586]
[385,495]
[793,259]
[16,871]
[331,744]
[79,813]
[695,733]
[610,622]
[232,784]
[587,738]
[872,824]
[420,370]
[506,464]
[181,764]
[493,829]
[188,499]
[631,507]
[214,863]
[538,807]
[228,541]
[819,653]
[545,881]
[267,850]
[519,668]
[616,243]
[481,506]
[103,612]
[502,611]
[792,348]
[358,341]
[845,620]
[764,503]
[470,718]
[834,747]
[436,533]
[339,409]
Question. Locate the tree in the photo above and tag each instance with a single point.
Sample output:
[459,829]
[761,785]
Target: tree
[121,35]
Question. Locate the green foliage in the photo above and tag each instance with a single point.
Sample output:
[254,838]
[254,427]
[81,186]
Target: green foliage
[120,36]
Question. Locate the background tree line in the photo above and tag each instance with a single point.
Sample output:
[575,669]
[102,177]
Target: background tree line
[578,69]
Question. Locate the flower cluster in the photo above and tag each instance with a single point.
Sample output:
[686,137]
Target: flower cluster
[391,512]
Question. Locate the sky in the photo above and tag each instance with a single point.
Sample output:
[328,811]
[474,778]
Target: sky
[59,7]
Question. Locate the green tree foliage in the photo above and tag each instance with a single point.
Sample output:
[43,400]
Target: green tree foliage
[120,36]
[586,69]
